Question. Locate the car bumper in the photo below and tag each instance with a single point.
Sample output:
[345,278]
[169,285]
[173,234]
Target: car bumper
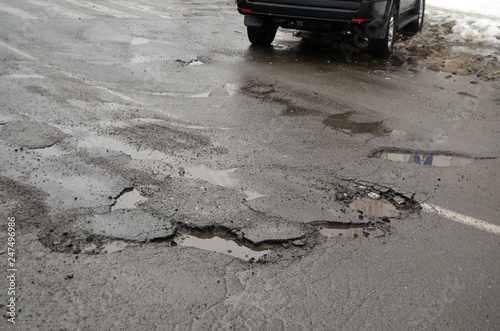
[316,10]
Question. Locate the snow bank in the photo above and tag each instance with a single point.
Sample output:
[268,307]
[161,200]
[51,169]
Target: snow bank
[475,21]
[490,8]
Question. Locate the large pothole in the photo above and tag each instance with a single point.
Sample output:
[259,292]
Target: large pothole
[375,202]
[344,123]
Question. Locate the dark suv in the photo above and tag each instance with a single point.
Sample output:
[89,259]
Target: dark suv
[378,19]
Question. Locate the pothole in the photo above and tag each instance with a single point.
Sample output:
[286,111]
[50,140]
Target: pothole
[352,231]
[343,123]
[375,202]
[128,199]
[376,208]
[268,93]
[221,244]
[434,160]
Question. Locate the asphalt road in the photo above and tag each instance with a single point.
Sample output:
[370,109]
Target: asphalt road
[132,130]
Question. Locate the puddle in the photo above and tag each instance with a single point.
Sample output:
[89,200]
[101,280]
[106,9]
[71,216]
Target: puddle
[107,144]
[25,76]
[90,249]
[342,123]
[50,151]
[425,159]
[226,90]
[140,59]
[216,177]
[351,231]
[196,63]
[251,195]
[221,244]
[124,124]
[113,247]
[128,200]
[103,143]
[377,208]
[139,41]
[286,40]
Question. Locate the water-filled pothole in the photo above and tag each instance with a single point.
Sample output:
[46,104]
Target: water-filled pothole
[352,231]
[128,199]
[221,244]
[377,208]
[425,159]
[342,123]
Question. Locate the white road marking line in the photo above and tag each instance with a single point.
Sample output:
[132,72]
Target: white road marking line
[464,219]
[70,75]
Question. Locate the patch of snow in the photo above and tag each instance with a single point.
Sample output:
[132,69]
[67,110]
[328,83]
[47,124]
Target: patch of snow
[482,31]
[472,22]
[486,8]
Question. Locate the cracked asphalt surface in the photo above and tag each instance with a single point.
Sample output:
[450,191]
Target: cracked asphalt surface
[263,147]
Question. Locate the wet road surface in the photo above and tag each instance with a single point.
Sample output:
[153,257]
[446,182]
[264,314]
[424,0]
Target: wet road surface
[165,175]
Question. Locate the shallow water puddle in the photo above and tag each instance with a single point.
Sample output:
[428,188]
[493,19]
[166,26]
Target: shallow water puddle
[53,150]
[425,159]
[351,231]
[213,176]
[114,247]
[195,63]
[251,195]
[377,208]
[221,244]
[216,177]
[343,123]
[128,200]
[226,90]
[139,41]
[106,144]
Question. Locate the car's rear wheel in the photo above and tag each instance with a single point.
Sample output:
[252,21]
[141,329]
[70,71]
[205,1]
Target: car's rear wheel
[383,47]
[262,35]
[417,25]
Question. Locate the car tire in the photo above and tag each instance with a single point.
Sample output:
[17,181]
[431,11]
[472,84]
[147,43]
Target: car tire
[383,47]
[417,25]
[262,35]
